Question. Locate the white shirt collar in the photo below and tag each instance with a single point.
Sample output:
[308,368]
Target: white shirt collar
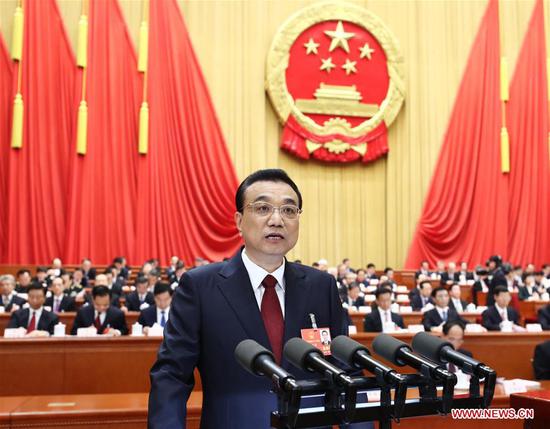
[257,274]
[37,313]
[159,313]
[500,309]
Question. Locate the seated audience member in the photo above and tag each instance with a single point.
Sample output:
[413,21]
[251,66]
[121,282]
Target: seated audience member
[388,272]
[41,276]
[499,312]
[361,279]
[546,276]
[544,317]
[423,297]
[440,270]
[136,299]
[518,275]
[160,311]
[23,280]
[453,332]
[171,269]
[424,270]
[464,275]
[434,319]
[371,272]
[354,296]
[541,361]
[123,271]
[540,280]
[56,270]
[179,271]
[88,271]
[481,285]
[530,289]
[450,276]
[108,320]
[35,319]
[456,302]
[382,319]
[77,283]
[59,302]
[115,284]
[152,279]
[10,300]
[322,265]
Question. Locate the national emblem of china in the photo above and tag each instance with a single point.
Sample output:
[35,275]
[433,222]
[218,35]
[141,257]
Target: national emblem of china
[335,78]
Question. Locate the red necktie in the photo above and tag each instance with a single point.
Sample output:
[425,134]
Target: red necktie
[452,367]
[273,316]
[97,322]
[32,323]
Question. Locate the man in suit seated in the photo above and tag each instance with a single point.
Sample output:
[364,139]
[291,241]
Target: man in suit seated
[434,319]
[530,289]
[108,320]
[160,311]
[379,319]
[59,302]
[10,300]
[464,275]
[23,280]
[354,296]
[422,297]
[544,317]
[424,270]
[153,278]
[456,302]
[481,285]
[499,312]
[450,276]
[453,332]
[175,277]
[135,300]
[36,320]
[89,272]
[371,272]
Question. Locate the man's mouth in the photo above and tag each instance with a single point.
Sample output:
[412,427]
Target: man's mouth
[274,236]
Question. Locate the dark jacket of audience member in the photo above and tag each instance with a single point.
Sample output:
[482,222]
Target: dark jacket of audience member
[114,319]
[67,304]
[47,321]
[133,303]
[491,319]
[373,322]
[541,361]
[544,317]
[432,318]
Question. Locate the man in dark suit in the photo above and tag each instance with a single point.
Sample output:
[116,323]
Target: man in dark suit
[493,317]
[544,317]
[35,319]
[541,361]
[160,312]
[424,270]
[464,274]
[456,302]
[136,299]
[108,320]
[381,314]
[10,301]
[89,272]
[257,294]
[24,279]
[481,285]
[354,296]
[450,276]
[423,297]
[59,302]
[453,332]
[434,319]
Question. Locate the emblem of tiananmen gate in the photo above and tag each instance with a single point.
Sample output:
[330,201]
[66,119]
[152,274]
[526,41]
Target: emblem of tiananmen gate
[335,78]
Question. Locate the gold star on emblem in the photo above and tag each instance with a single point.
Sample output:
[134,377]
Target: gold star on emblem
[339,38]
[327,65]
[349,66]
[311,46]
[366,51]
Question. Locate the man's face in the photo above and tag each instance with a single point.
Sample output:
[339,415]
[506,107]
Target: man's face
[24,279]
[451,266]
[426,290]
[530,268]
[268,238]
[101,280]
[455,292]
[371,270]
[36,298]
[354,293]
[141,288]
[86,265]
[384,301]
[442,298]
[324,335]
[389,274]
[57,286]
[464,266]
[163,300]
[503,299]
[440,266]
[101,303]
[360,276]
[174,260]
[77,276]
[56,263]
[8,287]
[425,266]
[350,278]
[455,337]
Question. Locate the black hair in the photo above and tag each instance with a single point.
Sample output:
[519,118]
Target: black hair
[179,265]
[315,264]
[381,291]
[387,269]
[448,325]
[36,286]
[423,282]
[41,270]
[352,285]
[154,272]
[100,291]
[499,289]
[23,271]
[371,265]
[109,269]
[118,260]
[438,289]
[141,280]
[162,287]
[267,175]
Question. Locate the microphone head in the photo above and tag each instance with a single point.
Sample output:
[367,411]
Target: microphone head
[296,351]
[344,349]
[247,352]
[430,346]
[388,347]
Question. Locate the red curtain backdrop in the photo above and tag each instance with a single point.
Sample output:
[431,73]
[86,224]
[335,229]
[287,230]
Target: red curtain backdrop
[37,183]
[529,210]
[101,214]
[6,101]
[465,214]
[186,183]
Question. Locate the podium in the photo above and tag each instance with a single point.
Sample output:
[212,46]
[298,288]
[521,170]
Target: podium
[539,401]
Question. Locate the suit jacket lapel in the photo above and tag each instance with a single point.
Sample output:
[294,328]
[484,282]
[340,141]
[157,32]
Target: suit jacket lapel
[296,293]
[235,286]
[378,317]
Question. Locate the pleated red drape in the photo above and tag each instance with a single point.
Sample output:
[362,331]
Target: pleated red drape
[37,183]
[101,215]
[186,182]
[528,125]
[6,93]
[465,214]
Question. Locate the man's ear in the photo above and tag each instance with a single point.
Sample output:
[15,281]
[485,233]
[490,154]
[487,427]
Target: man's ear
[238,219]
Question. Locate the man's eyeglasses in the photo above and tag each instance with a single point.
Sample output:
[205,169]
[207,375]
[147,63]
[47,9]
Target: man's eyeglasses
[263,209]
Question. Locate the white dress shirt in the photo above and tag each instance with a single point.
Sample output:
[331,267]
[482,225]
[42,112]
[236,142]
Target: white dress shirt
[159,314]
[443,311]
[102,317]
[385,314]
[257,275]
[502,311]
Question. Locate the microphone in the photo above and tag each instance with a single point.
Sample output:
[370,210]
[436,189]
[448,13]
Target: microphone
[443,351]
[257,360]
[306,357]
[358,356]
[400,354]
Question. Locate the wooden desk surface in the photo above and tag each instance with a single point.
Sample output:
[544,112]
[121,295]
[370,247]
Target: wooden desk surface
[413,318]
